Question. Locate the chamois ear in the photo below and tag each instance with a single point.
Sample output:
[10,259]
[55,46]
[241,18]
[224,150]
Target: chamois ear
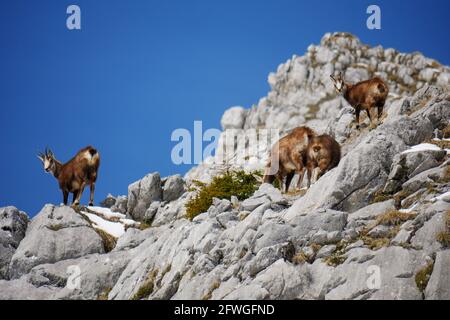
[49,153]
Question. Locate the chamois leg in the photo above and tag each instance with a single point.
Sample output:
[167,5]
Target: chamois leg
[309,174]
[380,111]
[80,193]
[75,194]
[65,197]
[301,173]
[372,125]
[289,180]
[357,112]
[91,196]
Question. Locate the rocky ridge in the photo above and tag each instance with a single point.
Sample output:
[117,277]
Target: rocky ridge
[375,227]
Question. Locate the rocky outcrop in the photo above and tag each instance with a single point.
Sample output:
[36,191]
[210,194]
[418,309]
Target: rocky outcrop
[13,225]
[142,193]
[54,234]
[375,227]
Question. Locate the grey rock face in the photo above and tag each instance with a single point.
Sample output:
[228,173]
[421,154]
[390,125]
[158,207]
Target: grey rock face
[174,187]
[13,225]
[97,273]
[120,204]
[324,243]
[438,287]
[56,233]
[356,278]
[233,118]
[108,202]
[142,193]
[21,289]
[407,165]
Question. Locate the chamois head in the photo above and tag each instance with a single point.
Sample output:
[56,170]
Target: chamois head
[48,160]
[339,83]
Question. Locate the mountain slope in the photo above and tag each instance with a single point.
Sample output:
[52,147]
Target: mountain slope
[375,227]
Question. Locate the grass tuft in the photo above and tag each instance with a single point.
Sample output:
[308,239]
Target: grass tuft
[109,242]
[394,218]
[423,276]
[208,295]
[147,287]
[444,236]
[231,183]
[55,227]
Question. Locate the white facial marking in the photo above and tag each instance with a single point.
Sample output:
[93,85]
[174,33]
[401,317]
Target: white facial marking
[46,164]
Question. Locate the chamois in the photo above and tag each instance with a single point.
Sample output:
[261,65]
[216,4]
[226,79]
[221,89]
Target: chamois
[323,154]
[74,175]
[364,95]
[289,153]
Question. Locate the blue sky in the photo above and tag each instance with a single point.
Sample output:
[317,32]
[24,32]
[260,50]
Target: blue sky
[140,69]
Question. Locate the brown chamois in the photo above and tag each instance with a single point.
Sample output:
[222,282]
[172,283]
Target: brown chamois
[365,95]
[287,157]
[323,154]
[74,175]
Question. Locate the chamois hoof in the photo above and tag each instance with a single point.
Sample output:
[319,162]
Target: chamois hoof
[75,205]
[372,126]
[91,204]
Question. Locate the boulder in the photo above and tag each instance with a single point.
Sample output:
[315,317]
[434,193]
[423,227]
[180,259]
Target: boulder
[13,225]
[120,205]
[108,202]
[56,233]
[233,118]
[142,193]
[173,188]
[438,287]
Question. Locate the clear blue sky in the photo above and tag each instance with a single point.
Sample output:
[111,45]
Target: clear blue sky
[140,69]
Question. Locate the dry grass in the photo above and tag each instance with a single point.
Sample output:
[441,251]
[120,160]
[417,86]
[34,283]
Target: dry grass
[109,242]
[55,227]
[375,243]
[297,192]
[301,258]
[446,132]
[214,286]
[380,197]
[335,259]
[444,236]
[147,287]
[443,144]
[338,256]
[104,294]
[394,218]
[423,276]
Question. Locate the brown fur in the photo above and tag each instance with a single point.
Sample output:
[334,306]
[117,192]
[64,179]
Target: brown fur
[323,153]
[74,175]
[365,95]
[290,154]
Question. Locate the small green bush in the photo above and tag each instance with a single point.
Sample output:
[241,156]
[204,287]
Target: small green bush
[231,183]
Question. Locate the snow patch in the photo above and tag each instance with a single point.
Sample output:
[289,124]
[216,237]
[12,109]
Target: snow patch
[423,147]
[443,197]
[116,229]
[104,219]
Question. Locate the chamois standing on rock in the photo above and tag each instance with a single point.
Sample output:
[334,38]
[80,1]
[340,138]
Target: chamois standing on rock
[74,175]
[365,95]
[287,157]
[323,154]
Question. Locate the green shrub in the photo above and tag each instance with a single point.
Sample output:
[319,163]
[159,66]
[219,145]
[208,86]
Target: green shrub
[231,183]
